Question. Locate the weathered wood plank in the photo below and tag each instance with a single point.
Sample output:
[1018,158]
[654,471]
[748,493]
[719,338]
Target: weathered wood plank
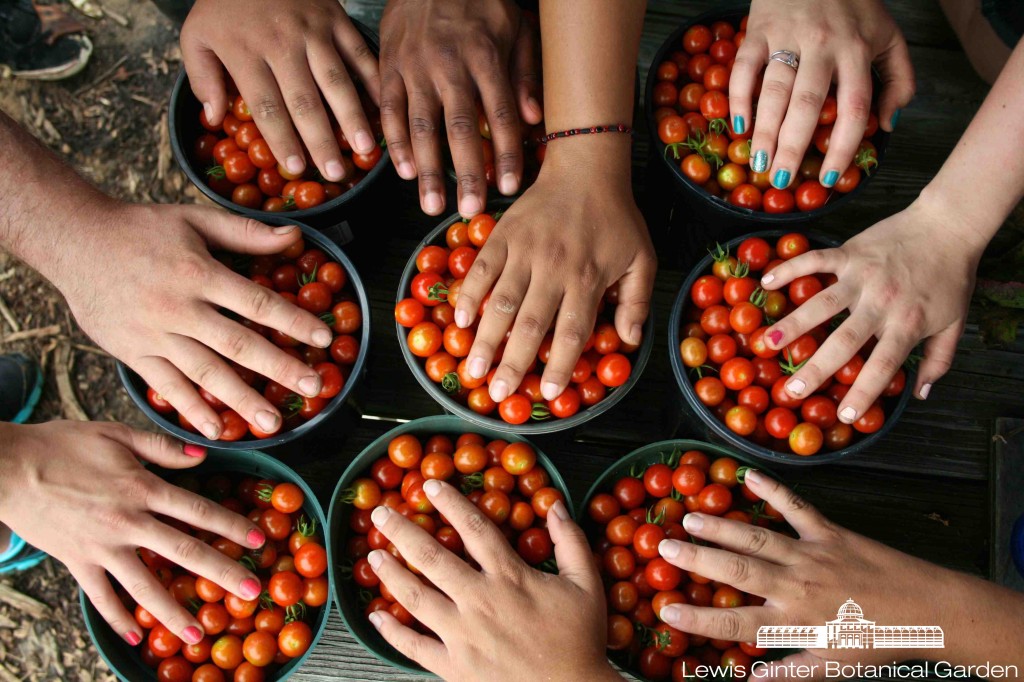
[1008,498]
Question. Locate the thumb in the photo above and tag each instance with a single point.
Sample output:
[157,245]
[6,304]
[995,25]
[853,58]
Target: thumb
[635,288]
[206,76]
[939,350]
[238,234]
[572,551]
[158,448]
[897,74]
[526,74]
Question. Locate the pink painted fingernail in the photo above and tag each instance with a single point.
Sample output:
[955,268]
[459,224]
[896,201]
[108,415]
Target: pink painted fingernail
[250,588]
[925,390]
[255,538]
[775,336]
[192,634]
[194,450]
[375,620]
[132,638]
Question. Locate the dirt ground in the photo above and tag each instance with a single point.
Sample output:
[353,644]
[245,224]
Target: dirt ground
[117,104]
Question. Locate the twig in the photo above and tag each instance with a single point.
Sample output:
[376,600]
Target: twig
[9,316]
[23,602]
[7,275]
[51,330]
[7,676]
[143,100]
[102,77]
[119,18]
[44,358]
[90,349]
[71,407]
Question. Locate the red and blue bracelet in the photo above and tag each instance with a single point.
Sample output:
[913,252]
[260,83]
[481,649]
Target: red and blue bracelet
[593,130]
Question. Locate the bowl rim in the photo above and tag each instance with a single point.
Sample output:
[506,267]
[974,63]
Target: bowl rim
[733,13]
[442,423]
[718,428]
[321,241]
[228,461]
[639,361]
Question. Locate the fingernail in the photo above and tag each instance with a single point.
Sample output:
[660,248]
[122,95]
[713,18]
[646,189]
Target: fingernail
[380,516]
[461,319]
[669,548]
[768,279]
[194,450]
[250,588]
[670,614]
[892,122]
[499,391]
[508,183]
[533,103]
[322,338]
[267,421]
[470,205]
[753,476]
[830,178]
[760,161]
[255,538]
[477,368]
[375,558]
[549,390]
[635,334]
[309,386]
[432,203]
[848,415]
[294,164]
[693,523]
[738,125]
[132,637]
[208,108]
[375,620]
[559,510]
[925,390]
[431,487]
[796,386]
[781,179]
[775,337]
[192,634]
[284,229]
[210,430]
[406,171]
[334,170]
[364,143]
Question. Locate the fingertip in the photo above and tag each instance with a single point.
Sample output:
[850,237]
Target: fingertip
[560,511]
[550,390]
[376,620]
[194,451]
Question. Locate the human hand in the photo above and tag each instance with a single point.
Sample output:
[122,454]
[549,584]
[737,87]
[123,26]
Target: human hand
[442,55]
[142,284]
[77,491]
[507,621]
[902,283]
[572,235]
[282,54]
[835,40]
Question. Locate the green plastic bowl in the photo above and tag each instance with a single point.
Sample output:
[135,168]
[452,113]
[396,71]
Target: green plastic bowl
[123,659]
[338,515]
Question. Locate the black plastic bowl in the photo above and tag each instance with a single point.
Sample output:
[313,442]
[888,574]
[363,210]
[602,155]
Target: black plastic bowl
[718,205]
[639,361]
[136,387]
[184,129]
[339,512]
[706,422]
[123,659]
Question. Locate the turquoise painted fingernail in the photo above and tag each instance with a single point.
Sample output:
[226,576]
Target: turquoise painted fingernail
[781,179]
[738,125]
[760,162]
[830,178]
[895,118]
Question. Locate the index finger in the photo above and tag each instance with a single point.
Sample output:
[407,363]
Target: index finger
[744,572]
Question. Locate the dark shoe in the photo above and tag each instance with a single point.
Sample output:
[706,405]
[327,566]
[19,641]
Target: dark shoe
[41,43]
[21,384]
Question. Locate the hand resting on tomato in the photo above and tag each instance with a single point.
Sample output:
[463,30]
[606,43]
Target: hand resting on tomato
[283,55]
[506,621]
[77,491]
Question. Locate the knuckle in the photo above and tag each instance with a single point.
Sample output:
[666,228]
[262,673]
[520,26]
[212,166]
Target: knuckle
[462,126]
[481,268]
[421,127]
[755,541]
[588,273]
[362,52]
[429,555]
[337,76]
[507,159]
[192,268]
[774,88]
[475,525]
[413,598]
[390,106]
[737,569]
[888,365]
[261,301]
[503,304]
[204,372]
[858,105]
[236,343]
[848,339]
[830,299]
[796,503]
[469,181]
[186,550]
[202,510]
[266,109]
[573,335]
[114,520]
[810,99]
[503,115]
[304,103]
[140,590]
[729,626]
[530,326]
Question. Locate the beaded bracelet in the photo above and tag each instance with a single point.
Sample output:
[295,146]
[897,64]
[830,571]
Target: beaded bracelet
[593,130]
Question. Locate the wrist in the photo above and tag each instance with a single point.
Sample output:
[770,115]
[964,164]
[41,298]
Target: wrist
[10,443]
[963,223]
[604,158]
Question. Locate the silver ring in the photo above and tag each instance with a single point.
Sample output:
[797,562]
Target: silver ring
[786,57]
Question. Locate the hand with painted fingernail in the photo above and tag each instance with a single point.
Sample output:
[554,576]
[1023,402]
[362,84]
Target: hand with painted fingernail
[803,580]
[506,621]
[444,57]
[295,63]
[79,491]
[831,41]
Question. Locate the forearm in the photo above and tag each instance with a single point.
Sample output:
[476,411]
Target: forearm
[981,621]
[983,179]
[44,202]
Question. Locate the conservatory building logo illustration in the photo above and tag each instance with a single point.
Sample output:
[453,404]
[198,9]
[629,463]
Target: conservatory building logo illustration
[850,630]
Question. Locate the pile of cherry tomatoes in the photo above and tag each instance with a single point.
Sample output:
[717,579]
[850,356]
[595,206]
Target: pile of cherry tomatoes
[307,277]
[245,640]
[741,380]
[626,525]
[505,480]
[691,108]
[239,165]
[429,314]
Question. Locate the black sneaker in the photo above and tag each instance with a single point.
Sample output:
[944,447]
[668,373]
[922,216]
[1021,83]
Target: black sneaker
[21,384]
[43,44]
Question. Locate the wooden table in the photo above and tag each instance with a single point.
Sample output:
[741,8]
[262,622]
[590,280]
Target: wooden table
[925,489]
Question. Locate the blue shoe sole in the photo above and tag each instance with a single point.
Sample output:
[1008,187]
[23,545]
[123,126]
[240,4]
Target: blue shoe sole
[33,400]
[20,556]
